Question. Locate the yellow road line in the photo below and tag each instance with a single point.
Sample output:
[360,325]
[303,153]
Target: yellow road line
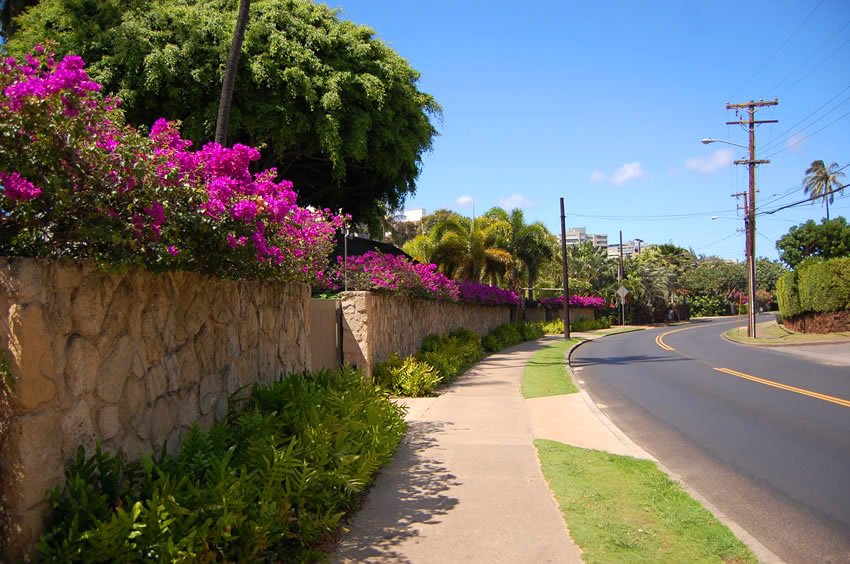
[824,397]
[662,344]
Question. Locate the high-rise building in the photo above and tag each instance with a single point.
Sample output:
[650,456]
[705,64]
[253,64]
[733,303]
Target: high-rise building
[578,235]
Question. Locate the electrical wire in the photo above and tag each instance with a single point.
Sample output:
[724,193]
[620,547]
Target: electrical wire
[812,56]
[801,202]
[718,241]
[778,49]
[785,148]
[767,146]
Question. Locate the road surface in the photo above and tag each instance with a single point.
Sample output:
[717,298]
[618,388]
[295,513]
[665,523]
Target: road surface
[763,435]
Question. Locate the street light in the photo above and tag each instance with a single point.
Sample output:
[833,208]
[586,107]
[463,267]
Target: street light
[710,140]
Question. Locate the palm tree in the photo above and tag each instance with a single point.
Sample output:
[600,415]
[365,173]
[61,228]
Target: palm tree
[472,249]
[223,121]
[821,181]
[528,245]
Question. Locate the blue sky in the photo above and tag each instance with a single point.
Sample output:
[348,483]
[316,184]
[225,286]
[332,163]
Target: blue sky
[605,105]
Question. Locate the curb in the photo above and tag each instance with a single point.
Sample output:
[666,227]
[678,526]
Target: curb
[760,551]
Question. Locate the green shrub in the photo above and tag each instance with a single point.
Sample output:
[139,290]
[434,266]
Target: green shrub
[268,483]
[824,286]
[787,295]
[556,327]
[492,343]
[779,319]
[409,377]
[705,305]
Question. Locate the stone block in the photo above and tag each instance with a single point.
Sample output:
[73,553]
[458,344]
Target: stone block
[157,383]
[81,365]
[163,421]
[40,458]
[88,305]
[31,356]
[114,370]
[77,429]
[107,421]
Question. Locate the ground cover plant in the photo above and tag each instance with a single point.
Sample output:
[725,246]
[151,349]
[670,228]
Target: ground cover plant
[621,509]
[270,482]
[546,373]
[556,326]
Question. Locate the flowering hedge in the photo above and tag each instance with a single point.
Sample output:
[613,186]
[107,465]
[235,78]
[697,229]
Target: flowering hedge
[377,271]
[472,292]
[576,301]
[76,182]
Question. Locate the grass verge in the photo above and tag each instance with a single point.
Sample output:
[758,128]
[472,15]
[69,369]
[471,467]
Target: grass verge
[771,333]
[621,509]
[546,373]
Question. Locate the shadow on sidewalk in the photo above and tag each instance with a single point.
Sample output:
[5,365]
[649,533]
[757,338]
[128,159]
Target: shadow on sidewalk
[410,492]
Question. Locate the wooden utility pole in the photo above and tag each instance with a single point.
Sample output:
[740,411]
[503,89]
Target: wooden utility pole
[620,276]
[565,272]
[750,213]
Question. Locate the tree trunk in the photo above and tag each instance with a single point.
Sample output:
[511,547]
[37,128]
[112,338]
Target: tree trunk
[826,199]
[223,122]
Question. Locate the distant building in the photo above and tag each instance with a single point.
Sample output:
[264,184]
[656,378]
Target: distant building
[578,235]
[629,248]
[413,216]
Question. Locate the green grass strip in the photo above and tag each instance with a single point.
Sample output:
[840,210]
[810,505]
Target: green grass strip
[621,509]
[546,373]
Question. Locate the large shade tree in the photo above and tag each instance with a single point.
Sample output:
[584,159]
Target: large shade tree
[822,182]
[336,110]
[829,239]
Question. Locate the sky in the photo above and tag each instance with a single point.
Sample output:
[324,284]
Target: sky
[605,104]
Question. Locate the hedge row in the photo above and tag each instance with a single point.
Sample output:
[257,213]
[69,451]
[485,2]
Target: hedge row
[815,287]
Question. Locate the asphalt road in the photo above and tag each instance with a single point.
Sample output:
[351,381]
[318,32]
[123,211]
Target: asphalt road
[766,440]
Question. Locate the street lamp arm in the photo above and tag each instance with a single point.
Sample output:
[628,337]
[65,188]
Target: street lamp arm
[710,140]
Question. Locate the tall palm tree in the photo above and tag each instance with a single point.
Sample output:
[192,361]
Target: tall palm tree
[471,250]
[821,181]
[528,245]
[225,102]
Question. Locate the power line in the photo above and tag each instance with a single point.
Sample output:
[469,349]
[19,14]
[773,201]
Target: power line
[806,201]
[718,241]
[778,49]
[672,217]
[817,66]
[779,138]
[808,136]
[812,56]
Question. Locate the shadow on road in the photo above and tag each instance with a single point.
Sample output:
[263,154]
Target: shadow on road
[623,360]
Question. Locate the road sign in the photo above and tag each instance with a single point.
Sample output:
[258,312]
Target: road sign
[622,292]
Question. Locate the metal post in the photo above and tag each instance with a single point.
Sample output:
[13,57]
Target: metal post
[565,273]
[620,275]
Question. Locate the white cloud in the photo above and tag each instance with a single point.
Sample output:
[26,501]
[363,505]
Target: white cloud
[796,142]
[514,201]
[628,171]
[464,200]
[597,176]
[719,159]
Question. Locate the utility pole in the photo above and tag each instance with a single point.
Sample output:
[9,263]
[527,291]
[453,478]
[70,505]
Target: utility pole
[744,195]
[565,272]
[620,275]
[637,248]
[750,210]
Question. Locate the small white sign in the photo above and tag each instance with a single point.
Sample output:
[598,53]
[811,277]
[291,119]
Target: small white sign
[622,292]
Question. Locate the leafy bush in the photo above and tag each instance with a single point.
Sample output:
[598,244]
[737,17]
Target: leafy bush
[780,320]
[824,286]
[451,354]
[817,286]
[268,483]
[556,326]
[707,305]
[408,377]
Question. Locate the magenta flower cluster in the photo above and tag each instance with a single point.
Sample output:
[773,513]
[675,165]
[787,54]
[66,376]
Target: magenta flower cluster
[76,182]
[475,293]
[576,301]
[379,271]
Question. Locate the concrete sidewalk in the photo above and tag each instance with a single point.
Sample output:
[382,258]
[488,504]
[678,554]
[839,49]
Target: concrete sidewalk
[466,485]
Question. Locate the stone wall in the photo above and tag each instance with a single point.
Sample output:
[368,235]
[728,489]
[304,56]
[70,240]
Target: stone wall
[132,359]
[376,325]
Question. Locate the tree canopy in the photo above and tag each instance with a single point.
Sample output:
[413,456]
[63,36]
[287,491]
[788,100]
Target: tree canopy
[829,239]
[336,110]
